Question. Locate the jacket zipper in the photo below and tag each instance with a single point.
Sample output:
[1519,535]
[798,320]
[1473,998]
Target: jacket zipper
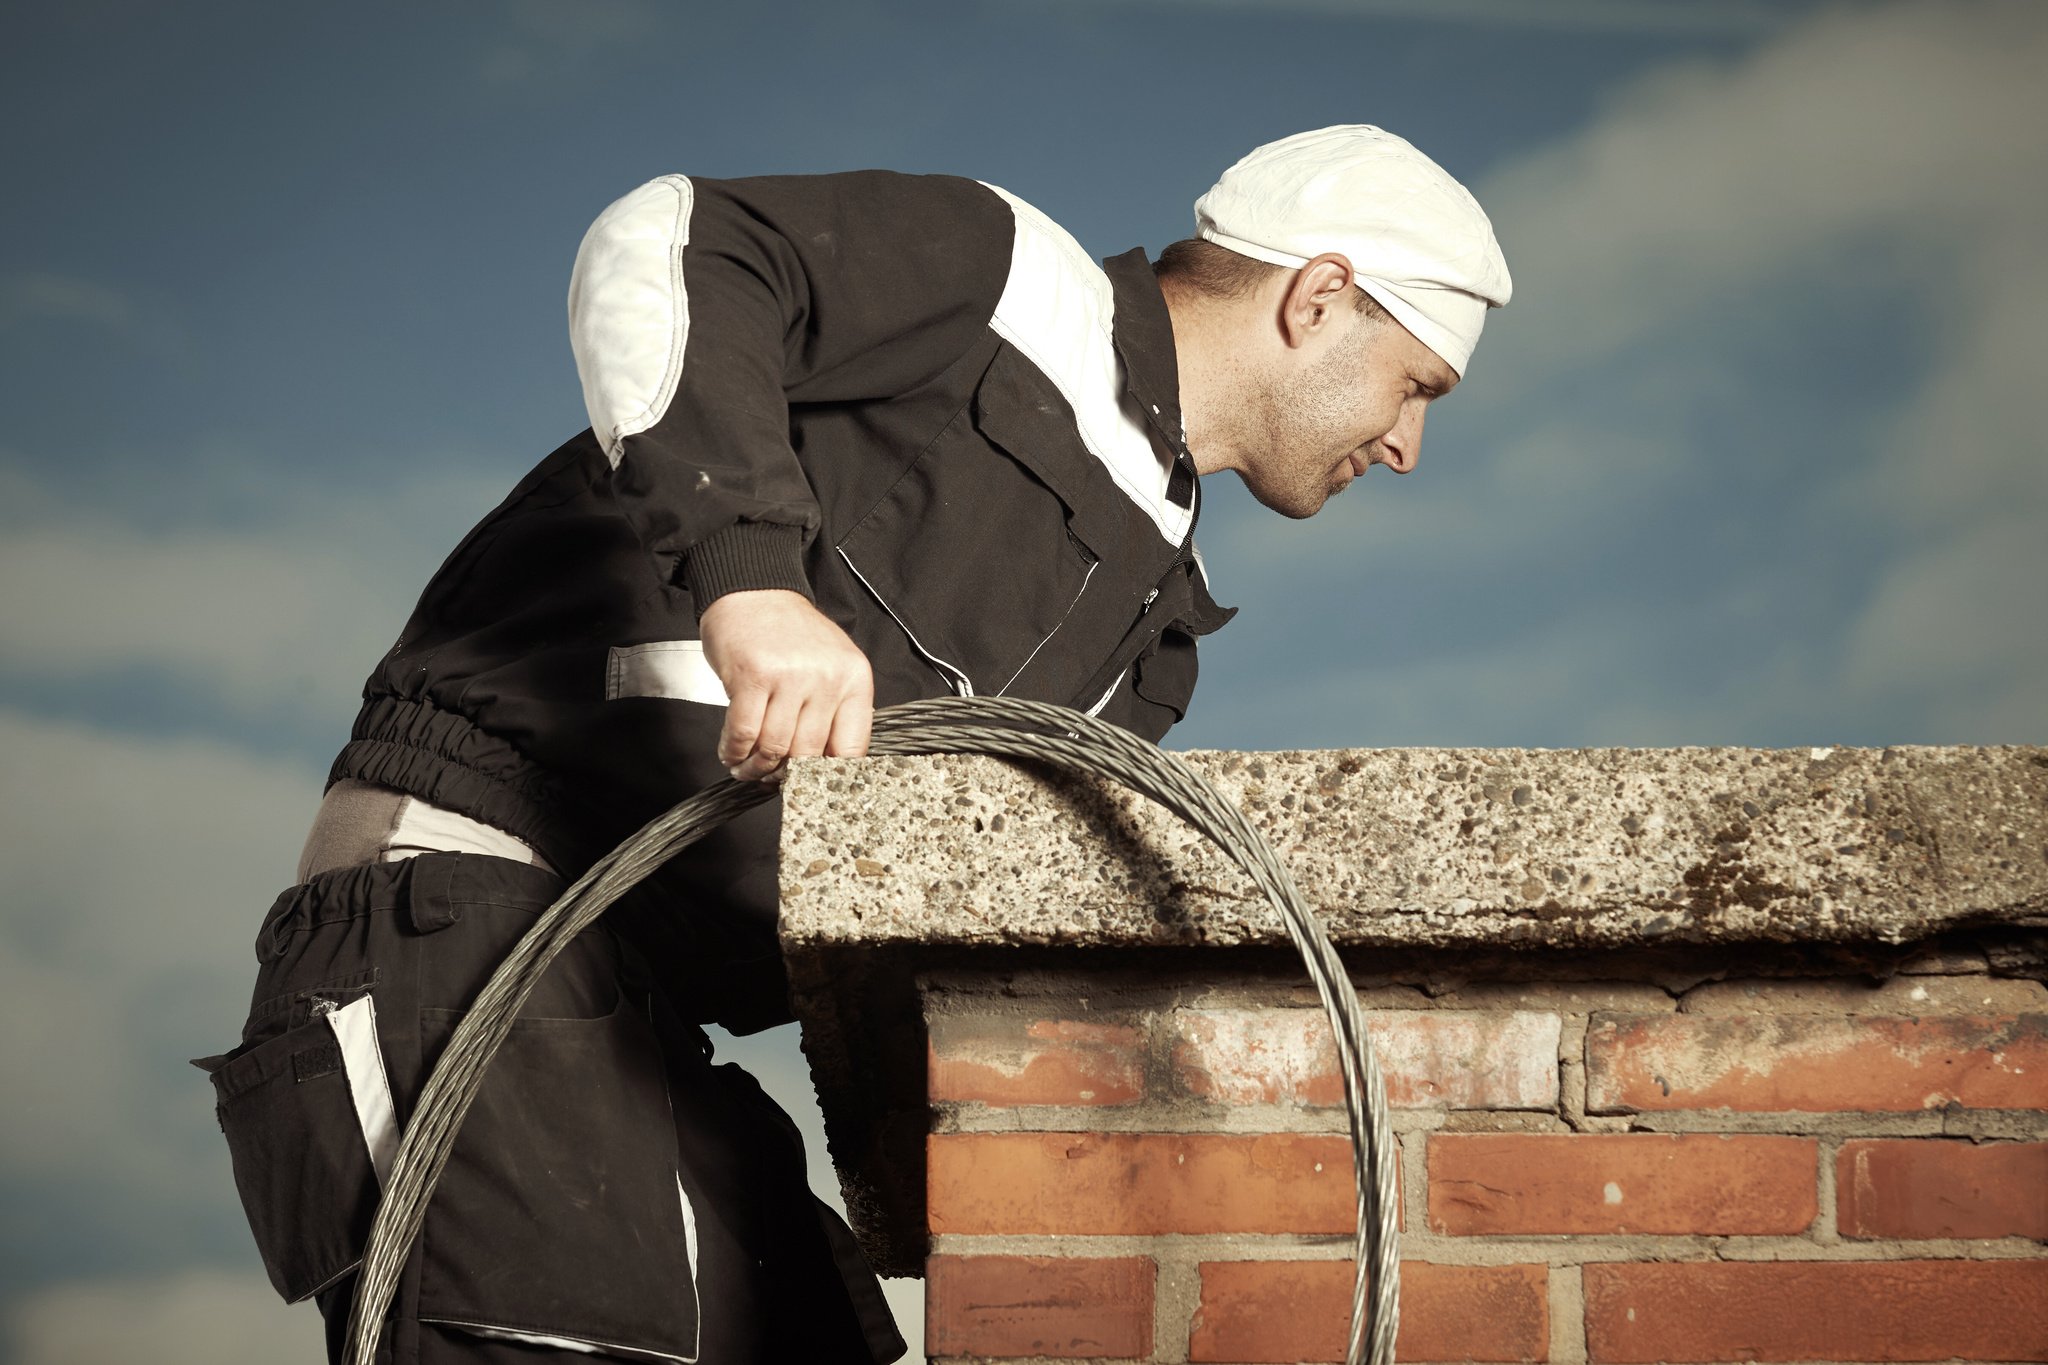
[962,684]
[1093,564]
[1184,555]
[1144,609]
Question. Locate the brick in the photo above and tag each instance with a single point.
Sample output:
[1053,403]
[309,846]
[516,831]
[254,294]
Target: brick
[992,1059]
[1561,997]
[1814,1310]
[1937,1187]
[1975,995]
[1138,1183]
[1816,1063]
[1039,1306]
[1945,960]
[1259,1311]
[1433,1059]
[1621,1183]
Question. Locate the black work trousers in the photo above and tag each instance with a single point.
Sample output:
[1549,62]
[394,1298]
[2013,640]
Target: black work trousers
[611,1191]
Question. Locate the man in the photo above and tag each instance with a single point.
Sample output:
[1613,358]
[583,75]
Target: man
[855,439]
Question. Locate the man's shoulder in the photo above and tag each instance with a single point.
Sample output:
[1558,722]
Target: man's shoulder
[1054,246]
[1056,297]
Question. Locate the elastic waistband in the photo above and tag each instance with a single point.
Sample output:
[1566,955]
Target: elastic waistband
[442,757]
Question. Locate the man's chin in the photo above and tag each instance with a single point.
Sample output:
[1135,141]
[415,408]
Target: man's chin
[1294,510]
[1290,503]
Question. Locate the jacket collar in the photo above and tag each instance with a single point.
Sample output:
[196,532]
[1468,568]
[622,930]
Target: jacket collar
[1144,338]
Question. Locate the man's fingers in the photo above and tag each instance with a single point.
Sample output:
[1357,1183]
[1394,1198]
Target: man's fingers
[772,744]
[742,725]
[813,728]
[852,725]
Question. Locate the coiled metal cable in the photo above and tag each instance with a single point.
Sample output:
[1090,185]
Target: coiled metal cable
[998,726]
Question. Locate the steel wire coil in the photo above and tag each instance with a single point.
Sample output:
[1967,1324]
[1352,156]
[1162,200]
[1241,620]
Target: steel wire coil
[997,726]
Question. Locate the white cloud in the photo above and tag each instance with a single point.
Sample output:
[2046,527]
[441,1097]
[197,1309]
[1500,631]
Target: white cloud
[132,851]
[246,613]
[1926,124]
[1958,623]
[195,1318]
[136,875]
[285,615]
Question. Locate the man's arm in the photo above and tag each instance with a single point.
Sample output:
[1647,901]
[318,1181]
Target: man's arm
[699,311]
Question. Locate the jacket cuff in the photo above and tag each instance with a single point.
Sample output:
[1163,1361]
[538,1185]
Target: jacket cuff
[745,557]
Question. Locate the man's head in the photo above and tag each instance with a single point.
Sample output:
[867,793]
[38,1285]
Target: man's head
[1337,285]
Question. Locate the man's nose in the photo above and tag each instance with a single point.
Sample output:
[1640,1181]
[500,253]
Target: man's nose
[1401,446]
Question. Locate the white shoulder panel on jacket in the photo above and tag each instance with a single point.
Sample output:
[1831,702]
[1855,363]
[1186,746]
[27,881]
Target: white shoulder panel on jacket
[629,316]
[1058,309]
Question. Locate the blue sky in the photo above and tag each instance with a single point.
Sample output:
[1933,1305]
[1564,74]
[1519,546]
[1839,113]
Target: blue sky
[1755,456]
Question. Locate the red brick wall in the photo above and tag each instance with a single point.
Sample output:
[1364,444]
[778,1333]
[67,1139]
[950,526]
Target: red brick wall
[1591,1172]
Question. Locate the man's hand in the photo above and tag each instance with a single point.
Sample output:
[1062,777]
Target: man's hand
[796,685]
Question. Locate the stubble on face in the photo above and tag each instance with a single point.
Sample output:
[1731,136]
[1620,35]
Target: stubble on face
[1306,426]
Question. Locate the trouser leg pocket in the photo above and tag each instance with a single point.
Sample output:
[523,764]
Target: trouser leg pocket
[302,1164]
[560,1217]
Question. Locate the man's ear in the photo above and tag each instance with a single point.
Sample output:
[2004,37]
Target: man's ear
[1314,296]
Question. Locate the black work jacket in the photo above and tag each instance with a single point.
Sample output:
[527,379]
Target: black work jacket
[912,398]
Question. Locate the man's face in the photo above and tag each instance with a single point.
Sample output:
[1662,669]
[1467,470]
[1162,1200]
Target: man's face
[1353,395]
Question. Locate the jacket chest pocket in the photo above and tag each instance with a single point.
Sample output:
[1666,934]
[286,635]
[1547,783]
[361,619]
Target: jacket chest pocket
[972,553]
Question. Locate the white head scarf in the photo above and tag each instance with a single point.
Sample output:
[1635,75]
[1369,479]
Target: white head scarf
[1417,240]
